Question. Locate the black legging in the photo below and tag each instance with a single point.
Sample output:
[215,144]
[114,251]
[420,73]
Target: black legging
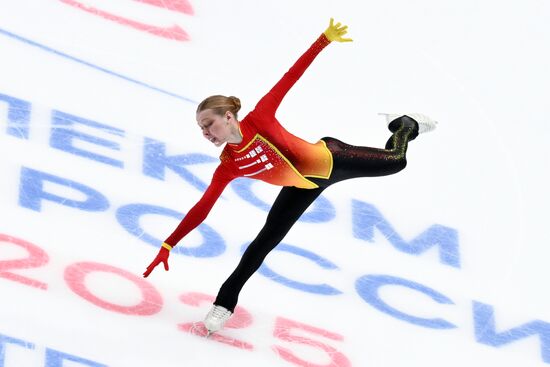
[348,162]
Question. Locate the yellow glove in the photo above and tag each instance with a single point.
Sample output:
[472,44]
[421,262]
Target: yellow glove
[335,32]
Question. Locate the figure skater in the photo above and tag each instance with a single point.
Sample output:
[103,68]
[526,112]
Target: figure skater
[259,147]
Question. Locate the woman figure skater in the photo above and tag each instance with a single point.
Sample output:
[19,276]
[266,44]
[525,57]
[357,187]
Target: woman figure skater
[259,147]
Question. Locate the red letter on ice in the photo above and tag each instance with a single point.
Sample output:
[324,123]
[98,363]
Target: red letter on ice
[181,6]
[173,33]
[284,330]
[75,276]
[240,319]
[37,257]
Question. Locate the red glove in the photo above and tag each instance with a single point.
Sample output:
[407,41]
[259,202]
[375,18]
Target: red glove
[162,257]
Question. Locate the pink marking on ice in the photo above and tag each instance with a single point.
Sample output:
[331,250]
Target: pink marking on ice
[174,32]
[36,258]
[200,330]
[181,6]
[75,276]
[283,332]
[239,320]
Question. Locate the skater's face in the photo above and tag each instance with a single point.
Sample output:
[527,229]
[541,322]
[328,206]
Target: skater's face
[218,129]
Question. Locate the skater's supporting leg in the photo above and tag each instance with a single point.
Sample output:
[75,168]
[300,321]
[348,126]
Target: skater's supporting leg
[349,162]
[286,210]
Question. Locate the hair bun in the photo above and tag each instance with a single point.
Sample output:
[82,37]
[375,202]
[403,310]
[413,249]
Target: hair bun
[220,104]
[237,102]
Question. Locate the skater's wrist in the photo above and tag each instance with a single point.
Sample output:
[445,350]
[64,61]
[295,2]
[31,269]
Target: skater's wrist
[167,246]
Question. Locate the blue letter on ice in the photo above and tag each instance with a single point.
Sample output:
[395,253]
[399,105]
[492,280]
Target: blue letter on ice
[32,192]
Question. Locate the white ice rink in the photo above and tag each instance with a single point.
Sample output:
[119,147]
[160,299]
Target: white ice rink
[443,264]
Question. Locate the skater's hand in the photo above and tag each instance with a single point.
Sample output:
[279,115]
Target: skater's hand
[335,32]
[162,257]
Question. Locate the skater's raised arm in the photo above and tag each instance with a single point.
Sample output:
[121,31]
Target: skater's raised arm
[334,33]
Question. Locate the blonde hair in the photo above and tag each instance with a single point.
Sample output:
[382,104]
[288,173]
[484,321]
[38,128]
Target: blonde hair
[220,105]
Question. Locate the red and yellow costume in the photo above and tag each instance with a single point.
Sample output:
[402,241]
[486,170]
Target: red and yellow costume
[268,152]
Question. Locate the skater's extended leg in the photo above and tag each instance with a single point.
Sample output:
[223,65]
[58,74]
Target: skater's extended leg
[286,210]
[355,161]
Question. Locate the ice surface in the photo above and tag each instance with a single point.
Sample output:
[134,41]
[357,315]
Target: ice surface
[443,264]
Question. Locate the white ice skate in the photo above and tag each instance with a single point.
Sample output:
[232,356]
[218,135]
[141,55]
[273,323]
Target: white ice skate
[425,123]
[216,318]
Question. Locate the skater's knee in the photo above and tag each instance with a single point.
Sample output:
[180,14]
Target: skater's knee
[400,164]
